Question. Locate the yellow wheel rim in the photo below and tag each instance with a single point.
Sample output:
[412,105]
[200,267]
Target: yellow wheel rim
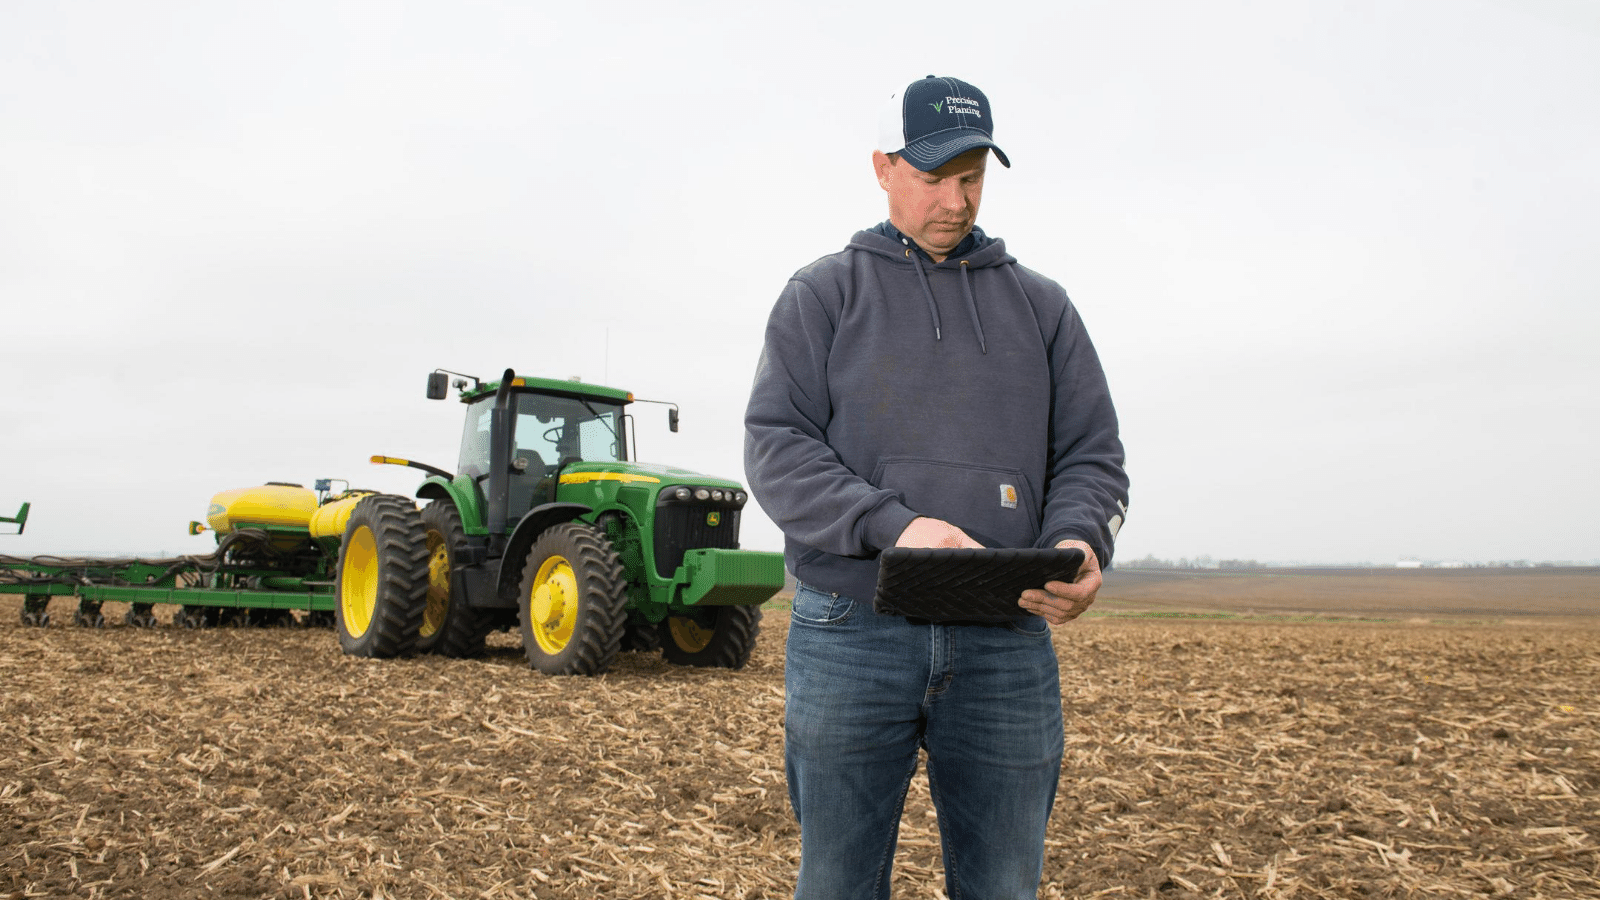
[358,582]
[689,635]
[553,605]
[438,584]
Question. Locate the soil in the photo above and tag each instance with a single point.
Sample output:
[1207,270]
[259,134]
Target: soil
[1265,756]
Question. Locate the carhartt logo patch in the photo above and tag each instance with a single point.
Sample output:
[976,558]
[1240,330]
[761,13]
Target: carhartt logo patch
[1008,496]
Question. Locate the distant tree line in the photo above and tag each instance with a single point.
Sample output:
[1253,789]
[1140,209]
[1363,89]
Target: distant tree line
[1149,561]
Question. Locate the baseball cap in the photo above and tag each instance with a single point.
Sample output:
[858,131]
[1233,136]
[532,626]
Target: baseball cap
[933,120]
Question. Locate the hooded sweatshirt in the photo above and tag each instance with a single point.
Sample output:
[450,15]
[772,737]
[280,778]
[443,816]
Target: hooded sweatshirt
[892,387]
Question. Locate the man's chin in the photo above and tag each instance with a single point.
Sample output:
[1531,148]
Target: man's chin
[944,240]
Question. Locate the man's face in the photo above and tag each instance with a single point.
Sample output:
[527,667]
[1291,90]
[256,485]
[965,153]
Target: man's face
[936,209]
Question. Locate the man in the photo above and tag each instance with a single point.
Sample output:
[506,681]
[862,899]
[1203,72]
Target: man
[922,389]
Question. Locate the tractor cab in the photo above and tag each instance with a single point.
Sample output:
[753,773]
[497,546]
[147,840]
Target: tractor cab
[549,432]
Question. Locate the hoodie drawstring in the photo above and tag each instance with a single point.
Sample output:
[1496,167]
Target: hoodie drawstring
[933,307]
[972,307]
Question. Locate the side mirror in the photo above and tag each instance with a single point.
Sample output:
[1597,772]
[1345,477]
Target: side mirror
[438,385]
[672,419]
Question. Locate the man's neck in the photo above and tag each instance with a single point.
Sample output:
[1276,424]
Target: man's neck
[968,243]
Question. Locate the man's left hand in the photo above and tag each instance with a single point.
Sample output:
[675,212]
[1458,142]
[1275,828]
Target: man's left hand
[1060,602]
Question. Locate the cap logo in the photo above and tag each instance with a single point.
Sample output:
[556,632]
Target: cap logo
[937,107]
[963,106]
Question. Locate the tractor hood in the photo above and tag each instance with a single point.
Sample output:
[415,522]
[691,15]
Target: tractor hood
[644,486]
[640,474]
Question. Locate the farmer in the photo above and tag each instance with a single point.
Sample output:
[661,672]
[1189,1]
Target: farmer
[921,389]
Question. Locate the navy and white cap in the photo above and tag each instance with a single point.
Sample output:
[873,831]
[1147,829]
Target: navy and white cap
[933,120]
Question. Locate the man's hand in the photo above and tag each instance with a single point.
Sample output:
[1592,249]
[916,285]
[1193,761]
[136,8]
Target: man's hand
[1059,602]
[926,532]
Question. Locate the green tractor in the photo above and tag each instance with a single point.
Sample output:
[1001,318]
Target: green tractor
[547,525]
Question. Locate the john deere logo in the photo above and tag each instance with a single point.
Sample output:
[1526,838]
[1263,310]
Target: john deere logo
[713,519]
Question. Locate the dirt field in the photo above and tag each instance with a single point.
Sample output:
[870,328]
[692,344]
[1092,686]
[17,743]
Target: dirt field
[1568,595]
[1264,757]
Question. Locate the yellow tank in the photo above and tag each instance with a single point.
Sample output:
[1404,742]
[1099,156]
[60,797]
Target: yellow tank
[283,505]
[331,518]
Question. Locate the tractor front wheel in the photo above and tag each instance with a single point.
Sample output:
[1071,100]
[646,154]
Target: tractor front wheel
[383,578]
[449,626]
[572,603]
[720,637]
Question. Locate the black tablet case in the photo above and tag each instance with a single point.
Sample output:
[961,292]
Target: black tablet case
[982,585]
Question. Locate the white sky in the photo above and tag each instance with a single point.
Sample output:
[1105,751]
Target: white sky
[1339,258]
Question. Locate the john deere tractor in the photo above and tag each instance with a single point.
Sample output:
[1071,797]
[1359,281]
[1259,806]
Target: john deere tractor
[546,525]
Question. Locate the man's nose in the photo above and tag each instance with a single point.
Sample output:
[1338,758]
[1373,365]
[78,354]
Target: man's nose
[951,196]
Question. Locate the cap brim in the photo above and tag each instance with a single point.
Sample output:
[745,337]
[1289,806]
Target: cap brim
[935,150]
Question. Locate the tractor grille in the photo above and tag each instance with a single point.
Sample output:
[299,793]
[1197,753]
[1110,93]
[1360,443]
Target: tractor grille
[681,527]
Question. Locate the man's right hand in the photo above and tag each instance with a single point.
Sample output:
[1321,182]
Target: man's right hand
[926,532]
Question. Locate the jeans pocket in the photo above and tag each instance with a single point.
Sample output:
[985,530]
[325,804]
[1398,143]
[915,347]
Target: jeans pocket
[814,607]
[1033,626]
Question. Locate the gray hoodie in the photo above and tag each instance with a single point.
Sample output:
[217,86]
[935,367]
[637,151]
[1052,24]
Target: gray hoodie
[891,387]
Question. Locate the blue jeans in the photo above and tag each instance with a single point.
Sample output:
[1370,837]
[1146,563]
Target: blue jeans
[863,692]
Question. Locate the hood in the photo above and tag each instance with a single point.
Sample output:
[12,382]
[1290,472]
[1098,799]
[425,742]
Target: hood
[984,252]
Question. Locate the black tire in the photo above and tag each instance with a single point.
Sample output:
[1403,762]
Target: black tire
[88,615]
[140,615]
[267,618]
[36,611]
[381,589]
[641,635]
[193,616]
[717,637]
[449,626]
[572,602]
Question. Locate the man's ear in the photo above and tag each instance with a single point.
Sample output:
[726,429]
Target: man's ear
[881,165]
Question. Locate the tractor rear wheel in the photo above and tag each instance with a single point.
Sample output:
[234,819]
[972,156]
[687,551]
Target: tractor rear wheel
[572,601]
[720,637]
[449,626]
[383,578]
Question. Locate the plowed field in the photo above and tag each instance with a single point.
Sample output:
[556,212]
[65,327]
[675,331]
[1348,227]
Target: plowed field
[1352,754]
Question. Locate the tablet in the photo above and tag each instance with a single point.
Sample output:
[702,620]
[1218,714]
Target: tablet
[948,585]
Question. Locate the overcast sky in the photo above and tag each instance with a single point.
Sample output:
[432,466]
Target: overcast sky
[1339,258]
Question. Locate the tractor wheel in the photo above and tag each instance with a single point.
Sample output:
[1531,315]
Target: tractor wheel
[382,584]
[449,626]
[572,602]
[641,635]
[720,637]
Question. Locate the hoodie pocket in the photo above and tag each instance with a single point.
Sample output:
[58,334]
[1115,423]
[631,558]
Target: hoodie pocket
[995,505]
